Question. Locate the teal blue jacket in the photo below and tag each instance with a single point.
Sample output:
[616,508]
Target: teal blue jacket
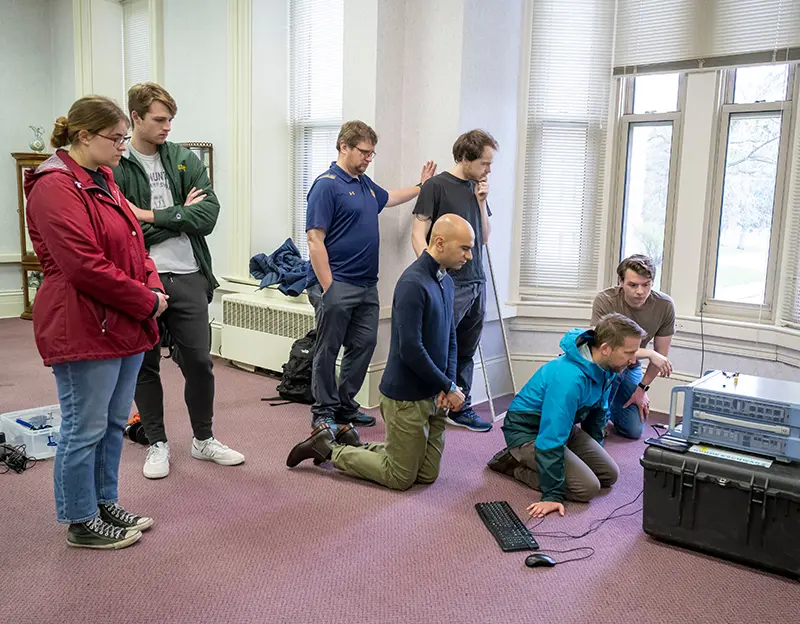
[566,391]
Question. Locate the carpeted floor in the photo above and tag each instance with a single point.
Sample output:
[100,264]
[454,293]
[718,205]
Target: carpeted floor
[262,543]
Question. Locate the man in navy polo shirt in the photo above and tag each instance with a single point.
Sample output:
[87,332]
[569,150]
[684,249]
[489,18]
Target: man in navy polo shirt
[343,241]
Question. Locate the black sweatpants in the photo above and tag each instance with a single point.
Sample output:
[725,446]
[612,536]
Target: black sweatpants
[186,319]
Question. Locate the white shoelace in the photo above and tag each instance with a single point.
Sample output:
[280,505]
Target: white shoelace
[158,452]
[99,526]
[213,447]
[120,514]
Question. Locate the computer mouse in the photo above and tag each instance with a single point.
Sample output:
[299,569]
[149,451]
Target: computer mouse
[539,559]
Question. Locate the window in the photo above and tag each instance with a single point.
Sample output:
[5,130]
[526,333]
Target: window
[135,42]
[647,170]
[748,196]
[316,56]
[567,112]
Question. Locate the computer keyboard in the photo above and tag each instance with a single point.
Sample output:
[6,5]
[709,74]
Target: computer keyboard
[509,531]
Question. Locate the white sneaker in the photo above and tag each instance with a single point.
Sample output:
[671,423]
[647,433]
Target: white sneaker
[156,466]
[214,450]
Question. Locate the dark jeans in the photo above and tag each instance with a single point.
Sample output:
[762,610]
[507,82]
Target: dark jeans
[186,319]
[347,316]
[468,311]
[627,421]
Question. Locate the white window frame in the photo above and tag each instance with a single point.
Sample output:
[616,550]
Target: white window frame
[729,309]
[627,120]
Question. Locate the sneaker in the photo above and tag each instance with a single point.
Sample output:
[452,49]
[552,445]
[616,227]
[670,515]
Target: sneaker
[357,419]
[214,450]
[99,534]
[468,419]
[116,515]
[156,466]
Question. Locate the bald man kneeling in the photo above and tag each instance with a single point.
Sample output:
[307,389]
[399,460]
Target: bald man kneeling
[418,384]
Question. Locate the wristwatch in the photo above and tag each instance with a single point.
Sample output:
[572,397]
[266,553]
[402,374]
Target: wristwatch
[643,387]
[453,386]
[419,185]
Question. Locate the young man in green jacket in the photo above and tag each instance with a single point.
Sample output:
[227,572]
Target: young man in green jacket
[172,197]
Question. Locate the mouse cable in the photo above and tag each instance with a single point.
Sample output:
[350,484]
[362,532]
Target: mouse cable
[593,526]
[563,552]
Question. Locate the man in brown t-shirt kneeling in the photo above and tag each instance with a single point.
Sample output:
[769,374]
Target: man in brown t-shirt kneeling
[653,311]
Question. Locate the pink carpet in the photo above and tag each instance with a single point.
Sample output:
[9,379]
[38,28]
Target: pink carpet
[262,543]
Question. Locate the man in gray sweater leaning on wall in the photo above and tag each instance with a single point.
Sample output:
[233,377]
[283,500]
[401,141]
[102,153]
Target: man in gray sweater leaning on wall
[418,384]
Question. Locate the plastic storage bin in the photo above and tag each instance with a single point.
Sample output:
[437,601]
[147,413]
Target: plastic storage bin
[39,443]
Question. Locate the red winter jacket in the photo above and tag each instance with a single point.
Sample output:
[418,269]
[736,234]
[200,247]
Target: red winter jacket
[96,301]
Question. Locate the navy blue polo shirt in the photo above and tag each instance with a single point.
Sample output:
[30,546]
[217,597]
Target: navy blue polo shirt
[347,209]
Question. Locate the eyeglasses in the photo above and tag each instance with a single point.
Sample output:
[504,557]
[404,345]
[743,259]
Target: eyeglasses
[117,141]
[367,153]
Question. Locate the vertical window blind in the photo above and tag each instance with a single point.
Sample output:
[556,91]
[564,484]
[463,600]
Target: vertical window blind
[135,42]
[791,303]
[664,35]
[568,94]
[316,57]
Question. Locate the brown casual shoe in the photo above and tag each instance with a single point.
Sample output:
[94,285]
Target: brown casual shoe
[347,435]
[316,446]
[503,462]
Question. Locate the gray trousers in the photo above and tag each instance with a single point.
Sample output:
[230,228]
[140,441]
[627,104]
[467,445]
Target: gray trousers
[347,316]
[587,466]
[469,308]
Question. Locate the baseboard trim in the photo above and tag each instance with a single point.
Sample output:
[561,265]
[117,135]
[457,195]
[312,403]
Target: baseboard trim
[11,303]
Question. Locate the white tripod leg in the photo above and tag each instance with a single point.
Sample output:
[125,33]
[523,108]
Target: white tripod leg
[486,383]
[500,318]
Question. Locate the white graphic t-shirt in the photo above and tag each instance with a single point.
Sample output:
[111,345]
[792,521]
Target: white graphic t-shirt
[174,255]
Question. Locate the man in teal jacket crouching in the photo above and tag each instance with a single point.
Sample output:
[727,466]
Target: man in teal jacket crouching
[546,449]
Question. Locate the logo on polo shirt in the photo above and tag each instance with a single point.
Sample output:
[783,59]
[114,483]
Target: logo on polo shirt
[182,167]
[352,193]
[373,193]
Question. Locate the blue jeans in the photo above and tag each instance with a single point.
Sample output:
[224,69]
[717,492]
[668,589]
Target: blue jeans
[626,420]
[96,398]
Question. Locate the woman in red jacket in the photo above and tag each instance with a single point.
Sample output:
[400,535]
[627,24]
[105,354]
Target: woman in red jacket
[94,315]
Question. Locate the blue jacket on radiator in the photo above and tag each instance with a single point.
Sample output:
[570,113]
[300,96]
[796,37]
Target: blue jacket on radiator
[285,267]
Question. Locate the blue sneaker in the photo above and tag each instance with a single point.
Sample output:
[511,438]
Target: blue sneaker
[468,419]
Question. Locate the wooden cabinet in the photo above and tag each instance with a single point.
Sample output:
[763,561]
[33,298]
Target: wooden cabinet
[31,269]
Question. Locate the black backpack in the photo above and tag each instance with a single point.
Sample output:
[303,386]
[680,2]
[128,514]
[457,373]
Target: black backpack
[295,382]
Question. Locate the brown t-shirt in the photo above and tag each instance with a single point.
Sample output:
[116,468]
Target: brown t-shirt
[656,316]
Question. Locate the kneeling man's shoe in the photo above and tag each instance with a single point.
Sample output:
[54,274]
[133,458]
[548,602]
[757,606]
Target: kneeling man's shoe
[316,446]
[503,462]
[347,435]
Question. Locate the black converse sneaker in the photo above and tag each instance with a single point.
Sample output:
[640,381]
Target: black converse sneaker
[99,534]
[116,515]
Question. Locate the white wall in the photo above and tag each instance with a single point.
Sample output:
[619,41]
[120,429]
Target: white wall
[62,55]
[26,71]
[271,215]
[196,75]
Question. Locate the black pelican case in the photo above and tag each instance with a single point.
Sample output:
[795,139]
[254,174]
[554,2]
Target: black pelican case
[730,509]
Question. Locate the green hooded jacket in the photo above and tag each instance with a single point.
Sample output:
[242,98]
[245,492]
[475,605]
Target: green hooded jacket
[184,171]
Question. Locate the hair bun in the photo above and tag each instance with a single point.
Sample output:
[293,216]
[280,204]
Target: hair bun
[60,132]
